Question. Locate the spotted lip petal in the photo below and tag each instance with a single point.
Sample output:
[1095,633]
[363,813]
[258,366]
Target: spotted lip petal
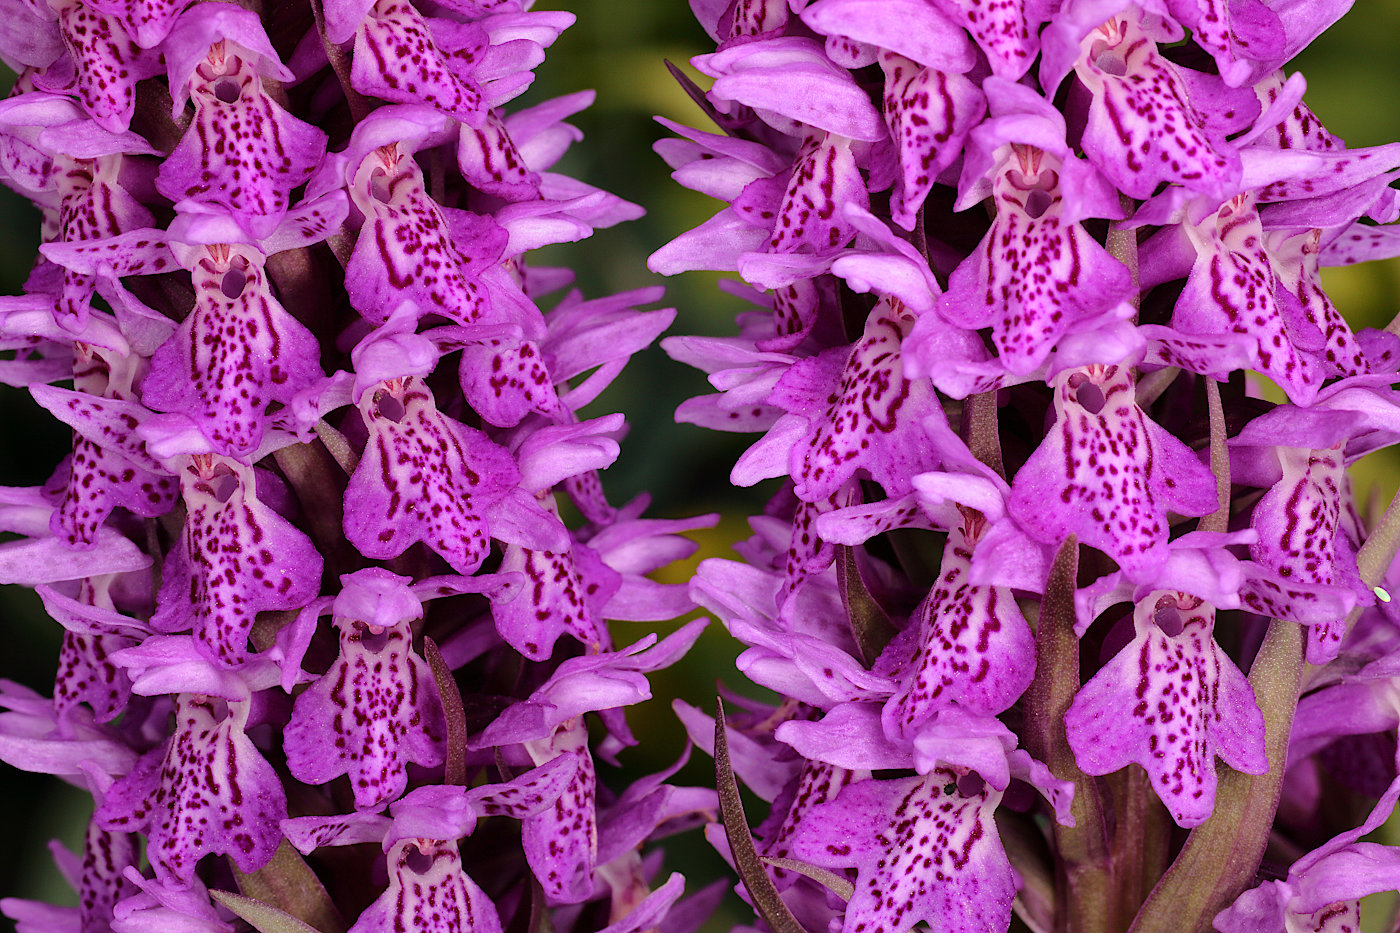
[208,790]
[372,712]
[93,631]
[1187,702]
[817,783]
[93,205]
[564,595]
[406,251]
[396,59]
[100,477]
[490,161]
[1300,539]
[974,648]
[1231,289]
[1074,281]
[925,849]
[1130,80]
[107,64]
[872,416]
[429,891]
[236,557]
[262,151]
[1108,474]
[561,842]
[237,352]
[929,114]
[824,177]
[423,477]
[1296,257]
[1006,30]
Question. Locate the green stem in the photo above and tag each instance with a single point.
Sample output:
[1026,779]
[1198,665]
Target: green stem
[1141,842]
[981,431]
[1219,520]
[1086,900]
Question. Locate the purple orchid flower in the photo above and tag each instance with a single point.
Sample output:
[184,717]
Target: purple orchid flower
[263,232]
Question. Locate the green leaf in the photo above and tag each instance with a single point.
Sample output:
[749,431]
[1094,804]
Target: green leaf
[288,885]
[762,891]
[264,917]
[455,771]
[837,884]
[869,624]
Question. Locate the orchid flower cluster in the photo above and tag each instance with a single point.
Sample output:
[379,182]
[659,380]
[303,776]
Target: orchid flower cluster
[323,617]
[1018,272]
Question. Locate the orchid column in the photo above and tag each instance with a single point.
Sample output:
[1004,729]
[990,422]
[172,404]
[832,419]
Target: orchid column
[308,550]
[1019,272]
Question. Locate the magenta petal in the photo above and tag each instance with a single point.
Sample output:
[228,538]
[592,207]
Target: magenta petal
[423,477]
[429,892]
[847,737]
[372,712]
[1128,78]
[790,79]
[237,352]
[874,419]
[236,557]
[208,790]
[1175,725]
[264,153]
[929,114]
[1108,474]
[923,851]
[564,595]
[396,59]
[974,648]
[912,28]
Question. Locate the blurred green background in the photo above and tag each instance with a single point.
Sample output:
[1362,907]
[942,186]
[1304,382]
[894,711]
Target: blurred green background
[618,48]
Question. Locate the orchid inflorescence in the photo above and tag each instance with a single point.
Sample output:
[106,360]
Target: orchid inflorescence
[1071,616]
[1018,275]
[319,628]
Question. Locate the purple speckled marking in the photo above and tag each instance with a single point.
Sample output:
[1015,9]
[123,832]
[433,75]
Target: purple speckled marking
[235,558]
[872,416]
[396,59]
[1171,701]
[374,711]
[925,849]
[208,790]
[974,650]
[1108,474]
[1143,129]
[423,477]
[429,893]
[242,151]
[929,113]
[405,250]
[1033,277]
